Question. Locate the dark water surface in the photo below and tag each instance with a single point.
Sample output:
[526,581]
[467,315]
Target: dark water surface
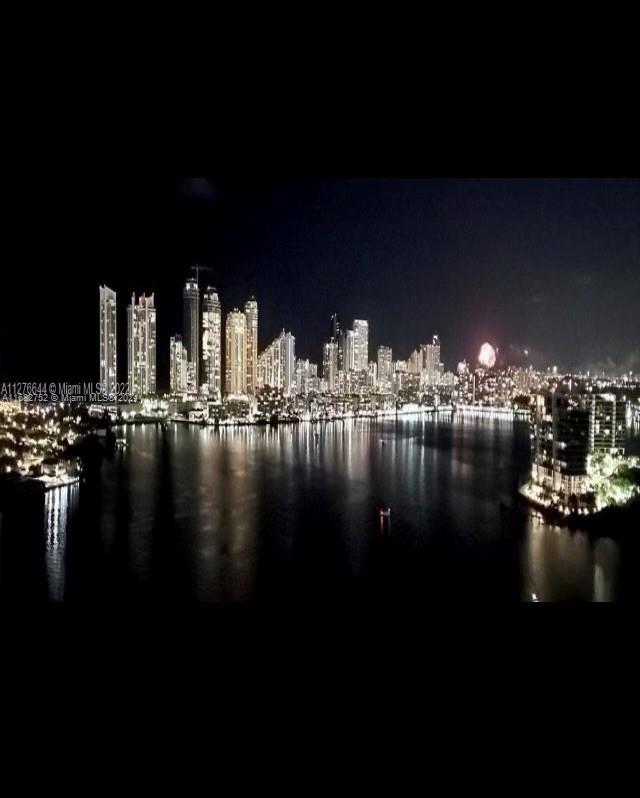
[259,514]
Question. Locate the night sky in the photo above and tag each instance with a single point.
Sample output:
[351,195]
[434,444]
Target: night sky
[548,265]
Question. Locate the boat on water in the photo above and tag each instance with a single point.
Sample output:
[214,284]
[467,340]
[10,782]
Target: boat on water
[121,443]
[385,512]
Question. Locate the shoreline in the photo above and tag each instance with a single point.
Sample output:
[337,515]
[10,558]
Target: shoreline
[470,410]
[611,521]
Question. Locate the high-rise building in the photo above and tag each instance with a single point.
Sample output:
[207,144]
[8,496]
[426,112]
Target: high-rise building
[277,364]
[372,375]
[251,314]
[306,376]
[385,367]
[191,325]
[349,350]
[192,387]
[608,428]
[335,328]
[212,343]
[108,340]
[415,362]
[236,353]
[141,346]
[330,365]
[566,428]
[431,368]
[361,344]
[177,366]
[288,347]
[337,335]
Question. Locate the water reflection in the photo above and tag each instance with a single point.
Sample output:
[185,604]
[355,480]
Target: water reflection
[58,504]
[291,513]
[606,569]
[565,565]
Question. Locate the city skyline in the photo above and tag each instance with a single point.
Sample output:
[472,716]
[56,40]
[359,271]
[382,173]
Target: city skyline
[204,320]
[338,390]
[526,264]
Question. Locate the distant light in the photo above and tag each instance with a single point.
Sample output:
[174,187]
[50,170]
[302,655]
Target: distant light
[487,356]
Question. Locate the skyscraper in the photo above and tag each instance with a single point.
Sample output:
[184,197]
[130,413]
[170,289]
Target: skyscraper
[608,423]
[141,346]
[306,377]
[288,344]
[277,364]
[191,325]
[330,365]
[431,361]
[566,428]
[177,366]
[349,350]
[236,353]
[212,343]
[108,340]
[361,356]
[251,314]
[385,367]
[336,334]
[372,375]
[415,362]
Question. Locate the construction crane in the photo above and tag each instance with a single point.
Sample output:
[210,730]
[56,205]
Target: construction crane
[197,269]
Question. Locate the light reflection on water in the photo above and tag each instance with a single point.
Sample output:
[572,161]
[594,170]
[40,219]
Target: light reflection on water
[559,561]
[253,513]
[58,504]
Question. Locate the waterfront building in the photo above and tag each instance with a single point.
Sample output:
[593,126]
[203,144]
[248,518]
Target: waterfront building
[288,361]
[108,340]
[141,346]
[330,365]
[251,315]
[337,335]
[277,365]
[335,329]
[211,343]
[192,388]
[372,375]
[414,365]
[191,325]
[236,353]
[567,427]
[385,367]
[306,378]
[177,366]
[431,368]
[608,423]
[361,345]
[349,350]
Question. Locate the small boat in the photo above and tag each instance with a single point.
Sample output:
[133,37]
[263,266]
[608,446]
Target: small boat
[121,443]
[385,512]
[383,442]
[534,597]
